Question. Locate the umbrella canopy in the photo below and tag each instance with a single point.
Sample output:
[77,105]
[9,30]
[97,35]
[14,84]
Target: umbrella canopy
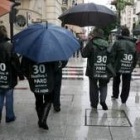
[45,43]
[88,14]
[5,7]
[136,30]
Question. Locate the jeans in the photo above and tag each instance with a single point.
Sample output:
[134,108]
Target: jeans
[8,95]
[97,90]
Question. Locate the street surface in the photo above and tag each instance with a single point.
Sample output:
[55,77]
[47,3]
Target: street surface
[77,120]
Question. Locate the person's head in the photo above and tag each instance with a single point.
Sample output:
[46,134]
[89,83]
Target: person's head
[125,31]
[97,32]
[3,31]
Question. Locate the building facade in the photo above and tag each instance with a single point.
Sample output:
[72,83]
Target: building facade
[32,10]
[130,16]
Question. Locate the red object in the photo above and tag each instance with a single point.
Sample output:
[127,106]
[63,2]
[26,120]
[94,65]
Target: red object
[138,46]
[5,7]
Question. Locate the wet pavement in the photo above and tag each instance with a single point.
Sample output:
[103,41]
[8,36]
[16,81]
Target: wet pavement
[77,120]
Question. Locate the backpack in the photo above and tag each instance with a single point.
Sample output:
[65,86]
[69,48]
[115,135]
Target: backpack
[100,63]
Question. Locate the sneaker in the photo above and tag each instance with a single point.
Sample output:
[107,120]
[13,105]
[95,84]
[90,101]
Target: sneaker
[57,109]
[104,106]
[10,120]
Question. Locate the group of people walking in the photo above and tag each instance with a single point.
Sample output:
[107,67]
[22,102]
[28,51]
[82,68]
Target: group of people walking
[103,62]
[44,81]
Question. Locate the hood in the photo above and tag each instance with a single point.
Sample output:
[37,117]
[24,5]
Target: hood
[101,43]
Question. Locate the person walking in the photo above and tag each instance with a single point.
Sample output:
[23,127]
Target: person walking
[59,65]
[9,72]
[97,52]
[125,58]
[41,81]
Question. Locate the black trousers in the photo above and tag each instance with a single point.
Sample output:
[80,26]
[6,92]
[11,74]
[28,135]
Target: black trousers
[42,99]
[126,79]
[57,88]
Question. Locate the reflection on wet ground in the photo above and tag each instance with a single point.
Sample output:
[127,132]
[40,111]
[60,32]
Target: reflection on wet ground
[77,120]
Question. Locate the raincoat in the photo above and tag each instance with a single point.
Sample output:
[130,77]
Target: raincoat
[9,65]
[124,46]
[88,52]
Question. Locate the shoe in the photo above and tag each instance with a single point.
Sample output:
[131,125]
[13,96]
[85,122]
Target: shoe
[43,122]
[10,120]
[104,106]
[57,109]
[123,102]
[43,125]
[94,107]
[114,98]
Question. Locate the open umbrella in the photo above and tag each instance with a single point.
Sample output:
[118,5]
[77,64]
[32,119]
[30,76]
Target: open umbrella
[88,14]
[5,7]
[136,30]
[45,43]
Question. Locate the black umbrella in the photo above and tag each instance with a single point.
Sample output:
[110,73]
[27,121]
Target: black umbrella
[136,30]
[88,14]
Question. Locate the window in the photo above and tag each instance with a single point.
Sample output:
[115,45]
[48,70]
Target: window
[21,21]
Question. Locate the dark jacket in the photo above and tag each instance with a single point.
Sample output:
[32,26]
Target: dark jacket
[59,65]
[88,52]
[9,66]
[123,45]
[40,76]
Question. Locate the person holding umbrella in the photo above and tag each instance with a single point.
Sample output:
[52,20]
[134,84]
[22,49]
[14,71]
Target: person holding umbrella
[43,44]
[97,51]
[58,81]
[9,72]
[57,84]
[41,81]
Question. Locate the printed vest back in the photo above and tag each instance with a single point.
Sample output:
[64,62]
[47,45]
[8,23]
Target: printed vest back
[126,62]
[5,75]
[40,79]
[100,63]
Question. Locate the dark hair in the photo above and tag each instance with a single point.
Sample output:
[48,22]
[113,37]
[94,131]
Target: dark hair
[97,32]
[125,31]
[3,31]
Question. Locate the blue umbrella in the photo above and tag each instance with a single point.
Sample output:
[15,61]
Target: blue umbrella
[45,43]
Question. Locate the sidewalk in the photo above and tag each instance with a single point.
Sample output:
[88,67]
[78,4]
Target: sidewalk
[77,120]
